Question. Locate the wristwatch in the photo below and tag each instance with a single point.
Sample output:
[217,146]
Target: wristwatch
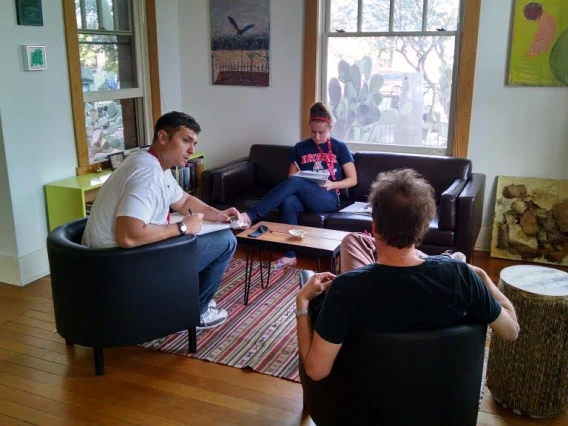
[300,312]
[182,228]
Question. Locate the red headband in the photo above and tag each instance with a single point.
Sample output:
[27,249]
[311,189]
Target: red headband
[320,119]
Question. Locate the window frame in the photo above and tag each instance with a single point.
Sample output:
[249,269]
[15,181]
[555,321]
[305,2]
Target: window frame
[314,24]
[149,84]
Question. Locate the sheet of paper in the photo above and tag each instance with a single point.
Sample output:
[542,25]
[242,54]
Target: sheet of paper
[207,225]
[357,207]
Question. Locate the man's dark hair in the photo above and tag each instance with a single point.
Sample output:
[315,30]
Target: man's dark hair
[172,121]
[403,205]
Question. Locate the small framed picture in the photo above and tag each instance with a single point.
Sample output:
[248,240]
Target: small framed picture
[34,57]
[115,159]
[29,12]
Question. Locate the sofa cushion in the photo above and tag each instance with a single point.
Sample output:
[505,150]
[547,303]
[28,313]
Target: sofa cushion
[271,164]
[348,222]
[361,222]
[440,171]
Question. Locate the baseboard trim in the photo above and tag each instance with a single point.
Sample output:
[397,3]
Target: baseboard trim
[483,242]
[24,270]
[9,270]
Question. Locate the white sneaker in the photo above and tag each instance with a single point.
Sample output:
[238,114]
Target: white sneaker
[212,318]
[212,303]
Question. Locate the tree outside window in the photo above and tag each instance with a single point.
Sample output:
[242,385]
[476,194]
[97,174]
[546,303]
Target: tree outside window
[389,73]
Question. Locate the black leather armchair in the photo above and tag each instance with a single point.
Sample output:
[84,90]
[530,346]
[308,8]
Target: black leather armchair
[116,297]
[427,378]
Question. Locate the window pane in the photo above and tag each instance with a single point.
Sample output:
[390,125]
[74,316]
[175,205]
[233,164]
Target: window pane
[111,127]
[375,15]
[408,15]
[443,14]
[112,15]
[391,90]
[107,62]
[343,15]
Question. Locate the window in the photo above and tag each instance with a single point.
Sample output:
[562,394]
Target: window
[109,45]
[389,72]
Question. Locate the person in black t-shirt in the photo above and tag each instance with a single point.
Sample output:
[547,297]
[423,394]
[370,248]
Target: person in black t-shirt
[320,154]
[402,291]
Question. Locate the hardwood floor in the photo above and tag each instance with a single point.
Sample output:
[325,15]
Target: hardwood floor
[44,382]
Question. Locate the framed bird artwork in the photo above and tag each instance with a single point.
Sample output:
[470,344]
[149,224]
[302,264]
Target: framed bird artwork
[240,42]
[539,48]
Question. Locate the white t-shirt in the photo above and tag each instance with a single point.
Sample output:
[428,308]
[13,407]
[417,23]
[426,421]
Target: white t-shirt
[139,188]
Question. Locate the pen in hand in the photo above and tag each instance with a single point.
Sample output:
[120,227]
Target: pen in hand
[298,167]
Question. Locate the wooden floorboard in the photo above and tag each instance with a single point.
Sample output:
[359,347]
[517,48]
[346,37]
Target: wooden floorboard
[45,382]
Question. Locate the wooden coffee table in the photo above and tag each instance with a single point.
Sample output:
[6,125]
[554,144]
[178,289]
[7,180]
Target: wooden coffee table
[317,241]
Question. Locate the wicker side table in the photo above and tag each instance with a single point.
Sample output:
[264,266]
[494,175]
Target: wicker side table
[530,376]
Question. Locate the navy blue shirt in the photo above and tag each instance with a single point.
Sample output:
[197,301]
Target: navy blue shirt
[439,292]
[309,158]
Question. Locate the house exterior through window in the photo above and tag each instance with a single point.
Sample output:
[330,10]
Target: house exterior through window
[389,70]
[113,56]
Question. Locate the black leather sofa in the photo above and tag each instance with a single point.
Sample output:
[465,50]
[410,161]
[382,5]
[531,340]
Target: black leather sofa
[459,192]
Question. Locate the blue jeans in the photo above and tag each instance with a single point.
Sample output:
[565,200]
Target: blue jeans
[293,196]
[214,252]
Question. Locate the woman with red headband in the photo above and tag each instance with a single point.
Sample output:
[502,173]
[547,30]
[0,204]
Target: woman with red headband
[321,154]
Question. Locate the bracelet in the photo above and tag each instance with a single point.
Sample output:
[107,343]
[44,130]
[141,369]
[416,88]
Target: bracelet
[300,312]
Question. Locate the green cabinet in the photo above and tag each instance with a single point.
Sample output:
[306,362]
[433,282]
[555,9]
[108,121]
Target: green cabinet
[66,198]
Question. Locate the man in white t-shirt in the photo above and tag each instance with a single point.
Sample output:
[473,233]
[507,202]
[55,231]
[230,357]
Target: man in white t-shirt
[132,209]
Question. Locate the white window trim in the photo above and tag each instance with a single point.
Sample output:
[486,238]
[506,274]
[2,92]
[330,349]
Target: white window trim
[325,34]
[141,95]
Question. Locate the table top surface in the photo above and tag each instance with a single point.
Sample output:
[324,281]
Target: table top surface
[536,279]
[315,238]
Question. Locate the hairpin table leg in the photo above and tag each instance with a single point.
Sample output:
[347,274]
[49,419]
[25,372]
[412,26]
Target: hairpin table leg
[265,286]
[248,273]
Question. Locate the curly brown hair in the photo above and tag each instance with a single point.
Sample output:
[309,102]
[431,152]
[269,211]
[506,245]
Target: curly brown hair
[403,205]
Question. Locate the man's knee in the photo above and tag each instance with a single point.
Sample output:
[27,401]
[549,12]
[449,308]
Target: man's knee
[355,241]
[231,241]
[357,250]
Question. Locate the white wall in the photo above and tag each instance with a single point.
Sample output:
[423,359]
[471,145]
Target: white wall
[169,54]
[234,117]
[8,249]
[38,141]
[515,131]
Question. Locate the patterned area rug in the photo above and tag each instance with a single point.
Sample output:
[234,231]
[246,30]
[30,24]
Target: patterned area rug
[260,336]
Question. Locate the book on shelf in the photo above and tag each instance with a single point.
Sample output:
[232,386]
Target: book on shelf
[189,176]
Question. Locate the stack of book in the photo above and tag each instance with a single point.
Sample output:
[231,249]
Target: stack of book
[189,176]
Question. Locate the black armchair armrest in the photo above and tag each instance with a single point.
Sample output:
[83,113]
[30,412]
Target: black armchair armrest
[448,205]
[470,210]
[207,195]
[232,181]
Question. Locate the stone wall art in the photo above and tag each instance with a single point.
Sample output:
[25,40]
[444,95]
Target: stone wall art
[240,42]
[531,220]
